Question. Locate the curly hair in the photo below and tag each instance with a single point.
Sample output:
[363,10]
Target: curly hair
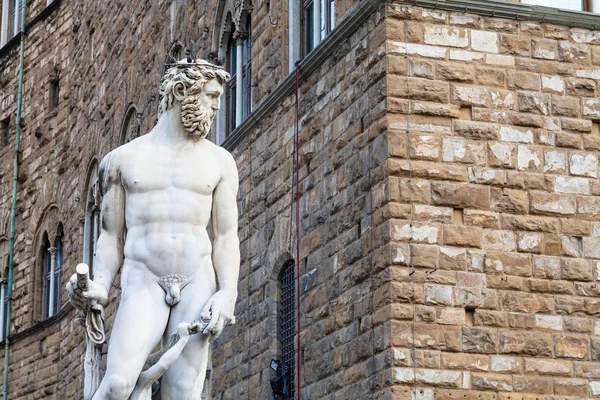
[184,77]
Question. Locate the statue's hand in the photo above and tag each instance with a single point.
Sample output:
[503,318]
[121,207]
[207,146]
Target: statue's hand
[219,309]
[82,299]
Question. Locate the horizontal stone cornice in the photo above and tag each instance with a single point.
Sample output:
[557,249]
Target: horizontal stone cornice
[516,11]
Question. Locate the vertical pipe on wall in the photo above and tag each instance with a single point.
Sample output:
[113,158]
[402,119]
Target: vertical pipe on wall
[13,209]
[297,286]
[2,310]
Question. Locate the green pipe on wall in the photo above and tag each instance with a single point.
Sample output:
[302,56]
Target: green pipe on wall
[13,210]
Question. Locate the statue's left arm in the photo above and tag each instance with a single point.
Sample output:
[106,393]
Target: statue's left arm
[226,247]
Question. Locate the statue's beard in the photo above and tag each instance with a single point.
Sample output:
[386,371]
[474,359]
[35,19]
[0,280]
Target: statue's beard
[196,119]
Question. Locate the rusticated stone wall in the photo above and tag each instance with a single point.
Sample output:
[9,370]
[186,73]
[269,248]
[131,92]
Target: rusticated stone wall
[463,146]
[493,198]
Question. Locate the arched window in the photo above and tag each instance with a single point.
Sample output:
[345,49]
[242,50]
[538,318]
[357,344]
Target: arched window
[235,49]
[232,84]
[131,125]
[91,229]
[287,321]
[246,101]
[51,255]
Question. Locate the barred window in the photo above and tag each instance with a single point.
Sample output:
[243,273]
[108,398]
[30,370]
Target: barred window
[287,321]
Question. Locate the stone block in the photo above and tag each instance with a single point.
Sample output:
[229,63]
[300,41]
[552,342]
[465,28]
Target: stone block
[523,342]
[425,147]
[591,247]
[455,72]
[464,55]
[455,149]
[552,204]
[571,387]
[555,162]
[553,84]
[565,106]
[452,258]
[571,346]
[523,80]
[529,159]
[496,382]
[462,236]
[566,184]
[514,134]
[584,165]
[500,60]
[530,242]
[508,263]
[470,95]
[479,340]
[502,154]
[438,295]
[498,240]
[506,364]
[544,48]
[460,195]
[469,362]
[476,130]
[577,269]
[533,102]
[484,41]
[551,322]
[445,36]
[546,267]
[574,52]
[591,108]
[487,176]
[512,201]
[548,367]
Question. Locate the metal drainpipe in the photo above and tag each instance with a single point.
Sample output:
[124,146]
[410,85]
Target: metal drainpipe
[13,211]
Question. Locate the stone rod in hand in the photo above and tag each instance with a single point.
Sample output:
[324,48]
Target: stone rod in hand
[83,276]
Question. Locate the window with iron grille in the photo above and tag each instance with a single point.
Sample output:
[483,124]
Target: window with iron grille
[287,321]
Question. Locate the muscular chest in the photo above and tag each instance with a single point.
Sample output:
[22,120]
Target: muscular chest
[162,170]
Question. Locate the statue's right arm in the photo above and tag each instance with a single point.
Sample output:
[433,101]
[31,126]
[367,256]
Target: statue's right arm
[109,248]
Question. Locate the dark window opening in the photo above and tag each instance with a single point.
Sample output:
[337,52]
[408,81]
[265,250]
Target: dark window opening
[52,281]
[308,26]
[54,95]
[231,85]
[287,321]
[5,132]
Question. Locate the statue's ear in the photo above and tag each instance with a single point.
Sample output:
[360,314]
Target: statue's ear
[179,91]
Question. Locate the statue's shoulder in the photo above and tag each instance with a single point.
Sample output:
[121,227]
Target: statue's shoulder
[222,154]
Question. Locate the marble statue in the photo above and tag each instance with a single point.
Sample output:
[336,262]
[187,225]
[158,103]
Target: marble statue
[160,192]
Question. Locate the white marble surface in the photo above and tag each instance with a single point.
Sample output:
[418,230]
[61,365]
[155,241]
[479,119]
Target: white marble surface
[164,188]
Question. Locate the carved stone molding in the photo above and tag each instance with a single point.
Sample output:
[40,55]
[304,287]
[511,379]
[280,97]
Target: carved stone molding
[234,13]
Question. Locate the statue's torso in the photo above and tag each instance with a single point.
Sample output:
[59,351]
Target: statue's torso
[168,202]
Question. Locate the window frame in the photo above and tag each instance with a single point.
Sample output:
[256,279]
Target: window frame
[231,98]
[286,321]
[5,126]
[46,264]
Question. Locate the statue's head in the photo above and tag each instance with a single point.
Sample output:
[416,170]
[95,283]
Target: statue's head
[197,86]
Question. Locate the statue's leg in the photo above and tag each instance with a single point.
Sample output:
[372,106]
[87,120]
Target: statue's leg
[138,327]
[185,378]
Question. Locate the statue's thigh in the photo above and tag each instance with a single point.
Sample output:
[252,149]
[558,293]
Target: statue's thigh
[139,324]
[184,379]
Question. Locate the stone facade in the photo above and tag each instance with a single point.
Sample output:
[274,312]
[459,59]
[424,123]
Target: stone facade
[449,210]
